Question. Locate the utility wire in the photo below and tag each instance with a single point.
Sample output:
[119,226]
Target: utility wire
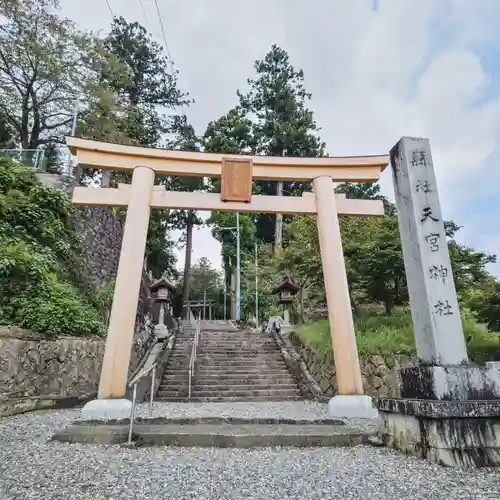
[169,55]
[110,9]
[144,12]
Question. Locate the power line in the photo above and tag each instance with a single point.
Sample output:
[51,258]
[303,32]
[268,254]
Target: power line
[164,37]
[144,12]
[110,9]
[167,49]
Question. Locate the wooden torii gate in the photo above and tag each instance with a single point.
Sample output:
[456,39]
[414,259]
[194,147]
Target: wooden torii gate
[237,172]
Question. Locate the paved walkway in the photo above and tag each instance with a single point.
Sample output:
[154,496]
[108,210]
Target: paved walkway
[32,467]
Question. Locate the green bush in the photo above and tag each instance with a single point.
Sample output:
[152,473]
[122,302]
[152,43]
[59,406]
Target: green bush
[56,310]
[381,334]
[15,176]
[38,259]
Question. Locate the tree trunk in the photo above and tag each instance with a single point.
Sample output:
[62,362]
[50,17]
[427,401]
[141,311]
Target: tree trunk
[388,307]
[187,265]
[278,228]
[302,293]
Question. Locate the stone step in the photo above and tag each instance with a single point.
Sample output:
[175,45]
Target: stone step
[238,349]
[228,372]
[229,379]
[231,360]
[237,372]
[233,387]
[231,342]
[218,434]
[232,339]
[247,436]
[273,356]
[227,352]
[228,399]
[229,368]
[229,392]
[285,379]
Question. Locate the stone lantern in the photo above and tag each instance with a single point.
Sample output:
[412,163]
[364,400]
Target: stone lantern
[286,292]
[161,289]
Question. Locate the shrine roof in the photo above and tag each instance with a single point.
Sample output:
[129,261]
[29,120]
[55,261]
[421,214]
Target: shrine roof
[287,284]
[162,282]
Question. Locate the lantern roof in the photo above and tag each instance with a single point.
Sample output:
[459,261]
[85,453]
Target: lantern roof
[163,282]
[288,283]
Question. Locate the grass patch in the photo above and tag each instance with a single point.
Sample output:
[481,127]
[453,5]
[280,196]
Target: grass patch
[380,334]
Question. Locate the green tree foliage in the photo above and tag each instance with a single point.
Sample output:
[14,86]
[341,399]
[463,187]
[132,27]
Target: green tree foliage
[276,99]
[37,266]
[375,265]
[150,86]
[7,132]
[185,139]
[45,64]
[272,118]
[206,282]
[484,301]
[232,133]
[144,87]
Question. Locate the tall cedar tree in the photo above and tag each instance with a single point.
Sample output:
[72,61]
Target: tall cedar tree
[282,126]
[150,87]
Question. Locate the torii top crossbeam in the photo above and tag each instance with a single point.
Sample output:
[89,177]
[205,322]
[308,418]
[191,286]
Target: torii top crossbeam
[106,156]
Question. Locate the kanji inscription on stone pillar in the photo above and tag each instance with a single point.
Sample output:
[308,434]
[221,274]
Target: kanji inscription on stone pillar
[236,180]
[436,316]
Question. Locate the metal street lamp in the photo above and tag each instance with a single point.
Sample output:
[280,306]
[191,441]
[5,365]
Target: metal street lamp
[235,231]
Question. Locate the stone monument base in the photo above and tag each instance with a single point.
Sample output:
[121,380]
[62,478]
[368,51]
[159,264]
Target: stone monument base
[454,383]
[463,434]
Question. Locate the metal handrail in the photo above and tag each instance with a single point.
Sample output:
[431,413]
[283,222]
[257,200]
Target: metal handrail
[192,359]
[133,383]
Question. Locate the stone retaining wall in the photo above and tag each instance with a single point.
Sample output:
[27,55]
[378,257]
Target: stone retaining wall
[32,367]
[380,373]
[65,366]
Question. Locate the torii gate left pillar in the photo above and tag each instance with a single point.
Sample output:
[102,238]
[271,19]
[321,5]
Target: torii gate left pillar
[236,196]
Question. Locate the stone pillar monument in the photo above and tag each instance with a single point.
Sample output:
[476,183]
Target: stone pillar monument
[449,411]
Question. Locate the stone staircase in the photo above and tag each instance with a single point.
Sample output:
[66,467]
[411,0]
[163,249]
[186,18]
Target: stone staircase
[230,366]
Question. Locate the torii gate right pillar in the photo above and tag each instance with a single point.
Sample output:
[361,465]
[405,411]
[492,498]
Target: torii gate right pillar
[350,402]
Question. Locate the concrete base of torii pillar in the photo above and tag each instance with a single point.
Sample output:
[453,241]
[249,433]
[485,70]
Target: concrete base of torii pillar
[107,409]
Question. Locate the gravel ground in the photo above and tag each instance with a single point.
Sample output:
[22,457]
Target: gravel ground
[31,467]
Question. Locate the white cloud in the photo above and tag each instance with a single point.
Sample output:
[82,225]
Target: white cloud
[411,68]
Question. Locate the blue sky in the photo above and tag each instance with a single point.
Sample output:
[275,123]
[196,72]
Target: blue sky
[411,67]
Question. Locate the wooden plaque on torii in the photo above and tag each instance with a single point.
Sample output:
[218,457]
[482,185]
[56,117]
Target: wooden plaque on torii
[236,180]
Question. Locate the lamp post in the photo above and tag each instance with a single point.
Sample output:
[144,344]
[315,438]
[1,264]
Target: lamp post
[225,298]
[73,129]
[235,231]
[256,289]
[238,281]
